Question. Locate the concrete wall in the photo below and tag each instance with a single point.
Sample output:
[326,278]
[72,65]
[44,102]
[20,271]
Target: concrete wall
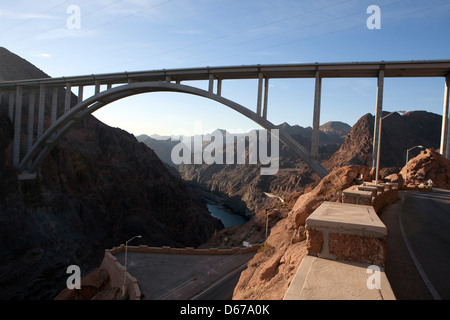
[371,194]
[188,250]
[116,271]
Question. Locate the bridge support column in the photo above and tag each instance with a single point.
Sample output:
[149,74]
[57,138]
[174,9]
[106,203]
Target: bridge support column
[54,105]
[17,127]
[260,94]
[42,91]
[219,87]
[30,127]
[97,87]
[263,97]
[378,116]
[11,105]
[211,83]
[445,135]
[68,100]
[316,118]
[80,94]
[266,97]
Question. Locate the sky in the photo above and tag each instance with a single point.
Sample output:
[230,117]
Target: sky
[81,37]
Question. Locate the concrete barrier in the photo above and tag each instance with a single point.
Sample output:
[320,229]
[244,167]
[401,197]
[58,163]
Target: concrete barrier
[344,240]
[188,250]
[349,232]
[116,276]
[354,196]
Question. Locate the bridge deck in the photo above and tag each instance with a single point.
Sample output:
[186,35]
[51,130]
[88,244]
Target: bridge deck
[429,68]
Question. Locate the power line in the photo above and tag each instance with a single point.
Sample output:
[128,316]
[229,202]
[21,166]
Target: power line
[224,36]
[64,25]
[102,25]
[30,19]
[328,33]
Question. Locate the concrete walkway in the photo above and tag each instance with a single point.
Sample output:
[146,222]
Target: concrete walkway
[323,279]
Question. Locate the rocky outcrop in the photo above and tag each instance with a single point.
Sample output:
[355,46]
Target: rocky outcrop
[94,286]
[270,272]
[428,165]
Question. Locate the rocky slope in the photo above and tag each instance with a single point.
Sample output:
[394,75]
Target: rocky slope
[98,188]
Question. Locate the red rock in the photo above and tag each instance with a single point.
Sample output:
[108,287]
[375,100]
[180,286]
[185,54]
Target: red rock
[429,164]
[271,271]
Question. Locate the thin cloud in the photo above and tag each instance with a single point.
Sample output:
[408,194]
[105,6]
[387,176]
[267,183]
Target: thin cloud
[26,16]
[62,33]
[42,55]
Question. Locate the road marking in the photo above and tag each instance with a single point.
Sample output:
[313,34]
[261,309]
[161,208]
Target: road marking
[419,268]
[239,268]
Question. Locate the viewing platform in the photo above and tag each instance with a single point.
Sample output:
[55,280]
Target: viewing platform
[346,243]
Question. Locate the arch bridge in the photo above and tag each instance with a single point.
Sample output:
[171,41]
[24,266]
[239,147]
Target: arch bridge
[28,96]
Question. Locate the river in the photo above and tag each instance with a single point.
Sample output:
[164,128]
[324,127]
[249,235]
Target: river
[228,218]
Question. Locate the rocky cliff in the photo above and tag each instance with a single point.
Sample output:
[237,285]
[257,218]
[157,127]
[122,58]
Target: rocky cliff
[97,188]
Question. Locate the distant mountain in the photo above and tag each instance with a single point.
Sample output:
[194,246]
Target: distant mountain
[333,132]
[244,185]
[331,136]
[163,148]
[399,133]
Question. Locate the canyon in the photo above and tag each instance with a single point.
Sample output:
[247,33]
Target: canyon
[101,186]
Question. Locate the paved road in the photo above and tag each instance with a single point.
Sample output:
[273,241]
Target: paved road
[180,277]
[223,289]
[418,245]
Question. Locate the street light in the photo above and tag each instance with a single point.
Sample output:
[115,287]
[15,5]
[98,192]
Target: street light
[407,157]
[125,271]
[379,143]
[267,211]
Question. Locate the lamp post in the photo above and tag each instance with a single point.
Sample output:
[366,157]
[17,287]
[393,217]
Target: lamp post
[407,157]
[379,143]
[125,270]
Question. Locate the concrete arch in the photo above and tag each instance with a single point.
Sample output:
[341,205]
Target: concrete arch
[45,143]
